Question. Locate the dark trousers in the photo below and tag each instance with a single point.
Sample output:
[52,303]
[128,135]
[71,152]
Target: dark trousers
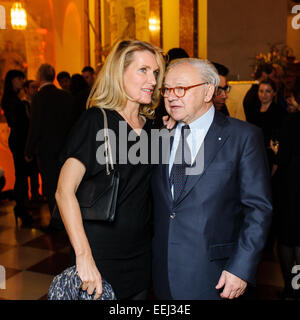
[50,173]
[33,173]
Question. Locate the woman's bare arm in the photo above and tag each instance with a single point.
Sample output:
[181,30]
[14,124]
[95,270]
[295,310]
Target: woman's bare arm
[70,177]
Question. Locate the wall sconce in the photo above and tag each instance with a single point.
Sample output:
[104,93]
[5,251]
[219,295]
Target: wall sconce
[154,24]
[18,16]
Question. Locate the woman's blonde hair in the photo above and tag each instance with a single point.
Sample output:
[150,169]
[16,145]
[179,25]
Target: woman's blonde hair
[108,90]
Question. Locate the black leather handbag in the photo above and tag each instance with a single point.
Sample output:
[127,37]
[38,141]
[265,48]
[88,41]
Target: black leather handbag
[97,196]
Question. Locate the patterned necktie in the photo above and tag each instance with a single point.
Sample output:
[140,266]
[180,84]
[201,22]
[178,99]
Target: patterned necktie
[181,161]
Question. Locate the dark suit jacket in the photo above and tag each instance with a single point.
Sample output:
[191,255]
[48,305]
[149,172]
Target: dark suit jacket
[51,120]
[220,221]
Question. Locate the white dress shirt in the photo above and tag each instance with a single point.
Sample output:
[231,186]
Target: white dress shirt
[199,129]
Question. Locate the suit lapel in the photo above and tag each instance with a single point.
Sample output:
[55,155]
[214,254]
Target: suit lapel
[164,168]
[214,140]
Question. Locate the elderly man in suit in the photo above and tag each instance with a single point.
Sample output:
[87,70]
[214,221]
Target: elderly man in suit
[212,207]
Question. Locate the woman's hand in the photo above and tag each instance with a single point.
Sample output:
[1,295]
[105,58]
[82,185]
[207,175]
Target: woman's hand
[169,122]
[70,177]
[89,275]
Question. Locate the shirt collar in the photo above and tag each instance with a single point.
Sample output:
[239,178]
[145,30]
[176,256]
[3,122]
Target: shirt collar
[202,122]
[46,84]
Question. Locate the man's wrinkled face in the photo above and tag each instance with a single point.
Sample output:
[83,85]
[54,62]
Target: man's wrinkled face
[194,103]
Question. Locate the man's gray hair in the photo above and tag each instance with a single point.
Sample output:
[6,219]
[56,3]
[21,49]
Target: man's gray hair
[46,72]
[207,70]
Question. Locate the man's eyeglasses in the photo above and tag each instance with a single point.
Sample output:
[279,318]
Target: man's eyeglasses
[178,91]
[220,90]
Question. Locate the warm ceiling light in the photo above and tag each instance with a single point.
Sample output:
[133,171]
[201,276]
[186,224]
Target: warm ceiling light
[18,16]
[154,24]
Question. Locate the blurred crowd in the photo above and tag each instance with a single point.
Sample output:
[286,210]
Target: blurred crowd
[39,116]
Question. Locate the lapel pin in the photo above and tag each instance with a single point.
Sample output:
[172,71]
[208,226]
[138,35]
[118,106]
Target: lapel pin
[219,138]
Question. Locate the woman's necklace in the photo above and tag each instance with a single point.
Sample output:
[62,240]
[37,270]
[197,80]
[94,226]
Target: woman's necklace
[136,128]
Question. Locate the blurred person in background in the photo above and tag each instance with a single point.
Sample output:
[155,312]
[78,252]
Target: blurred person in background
[221,96]
[89,75]
[289,189]
[31,87]
[17,120]
[80,92]
[251,102]
[64,80]
[269,117]
[51,119]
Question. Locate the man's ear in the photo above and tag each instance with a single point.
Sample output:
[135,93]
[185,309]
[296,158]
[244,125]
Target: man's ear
[209,93]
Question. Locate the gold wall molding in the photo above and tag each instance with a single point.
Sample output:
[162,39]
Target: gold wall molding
[202,29]
[188,21]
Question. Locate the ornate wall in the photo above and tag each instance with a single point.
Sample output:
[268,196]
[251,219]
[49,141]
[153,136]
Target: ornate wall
[238,30]
[55,34]
[70,34]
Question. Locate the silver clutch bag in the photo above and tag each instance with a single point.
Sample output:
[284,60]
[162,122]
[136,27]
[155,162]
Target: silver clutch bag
[67,286]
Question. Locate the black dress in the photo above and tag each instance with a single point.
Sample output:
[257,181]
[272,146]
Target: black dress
[17,120]
[270,122]
[121,249]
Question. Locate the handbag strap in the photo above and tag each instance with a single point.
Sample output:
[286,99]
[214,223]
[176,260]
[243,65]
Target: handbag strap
[108,153]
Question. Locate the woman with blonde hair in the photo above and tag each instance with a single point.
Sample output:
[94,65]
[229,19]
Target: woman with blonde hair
[119,251]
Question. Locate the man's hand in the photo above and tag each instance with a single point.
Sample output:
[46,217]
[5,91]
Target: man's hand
[169,122]
[233,285]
